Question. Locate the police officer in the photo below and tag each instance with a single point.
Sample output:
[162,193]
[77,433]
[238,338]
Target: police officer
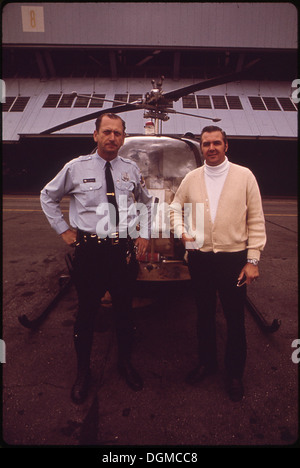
[99,231]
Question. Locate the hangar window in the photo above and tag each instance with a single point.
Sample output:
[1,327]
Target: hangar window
[120,97]
[19,104]
[203,102]
[234,102]
[126,98]
[287,104]
[135,97]
[219,102]
[8,103]
[52,100]
[66,100]
[97,102]
[189,102]
[15,104]
[82,101]
[271,103]
[257,103]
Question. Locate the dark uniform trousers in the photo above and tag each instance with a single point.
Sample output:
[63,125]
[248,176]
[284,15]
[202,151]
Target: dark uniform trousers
[213,273]
[96,269]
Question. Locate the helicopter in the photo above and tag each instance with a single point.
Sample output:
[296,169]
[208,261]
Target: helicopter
[163,161]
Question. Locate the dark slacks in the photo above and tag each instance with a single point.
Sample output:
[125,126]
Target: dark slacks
[213,273]
[96,269]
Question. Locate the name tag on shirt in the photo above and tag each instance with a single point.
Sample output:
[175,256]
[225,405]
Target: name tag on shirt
[89,180]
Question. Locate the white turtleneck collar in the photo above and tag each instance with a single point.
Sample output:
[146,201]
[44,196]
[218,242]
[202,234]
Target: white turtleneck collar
[214,179]
[217,170]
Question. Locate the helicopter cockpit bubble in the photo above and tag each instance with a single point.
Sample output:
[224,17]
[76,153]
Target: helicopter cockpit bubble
[163,161]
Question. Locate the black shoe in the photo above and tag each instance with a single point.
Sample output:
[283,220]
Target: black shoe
[198,374]
[235,389]
[130,375]
[80,388]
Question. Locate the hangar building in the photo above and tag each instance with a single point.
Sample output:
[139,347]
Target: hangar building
[113,50]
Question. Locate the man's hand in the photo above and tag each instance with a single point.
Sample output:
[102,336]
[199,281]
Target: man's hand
[69,237]
[141,245]
[188,242]
[248,274]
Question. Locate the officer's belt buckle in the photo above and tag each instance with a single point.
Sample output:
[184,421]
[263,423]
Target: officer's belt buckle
[115,238]
[95,237]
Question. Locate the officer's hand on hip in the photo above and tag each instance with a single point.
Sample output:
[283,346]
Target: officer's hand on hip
[69,237]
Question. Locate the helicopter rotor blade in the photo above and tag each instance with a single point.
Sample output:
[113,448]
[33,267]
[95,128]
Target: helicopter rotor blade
[219,80]
[178,93]
[97,98]
[168,110]
[170,96]
[172,111]
[93,115]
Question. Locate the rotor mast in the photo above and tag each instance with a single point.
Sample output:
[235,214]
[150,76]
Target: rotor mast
[154,103]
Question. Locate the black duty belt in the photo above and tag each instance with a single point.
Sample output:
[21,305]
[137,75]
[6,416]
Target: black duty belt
[84,237]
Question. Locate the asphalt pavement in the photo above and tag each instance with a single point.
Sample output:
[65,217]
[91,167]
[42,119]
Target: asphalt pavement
[167,415]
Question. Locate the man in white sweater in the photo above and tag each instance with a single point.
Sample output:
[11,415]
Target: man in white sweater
[224,256]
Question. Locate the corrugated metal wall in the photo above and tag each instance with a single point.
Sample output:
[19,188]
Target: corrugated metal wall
[228,25]
[246,122]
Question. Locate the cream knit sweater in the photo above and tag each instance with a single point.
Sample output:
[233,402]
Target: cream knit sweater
[239,221]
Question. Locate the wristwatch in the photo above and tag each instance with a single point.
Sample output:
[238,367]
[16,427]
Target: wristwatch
[254,261]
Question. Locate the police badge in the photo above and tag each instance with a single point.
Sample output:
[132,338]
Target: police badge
[125,176]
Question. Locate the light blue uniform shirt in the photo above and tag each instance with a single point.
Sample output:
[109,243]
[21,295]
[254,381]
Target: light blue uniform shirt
[83,179]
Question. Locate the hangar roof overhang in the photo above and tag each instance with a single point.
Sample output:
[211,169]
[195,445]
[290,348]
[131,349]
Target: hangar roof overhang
[202,24]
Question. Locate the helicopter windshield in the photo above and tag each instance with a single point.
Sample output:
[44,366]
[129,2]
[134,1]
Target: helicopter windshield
[163,162]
